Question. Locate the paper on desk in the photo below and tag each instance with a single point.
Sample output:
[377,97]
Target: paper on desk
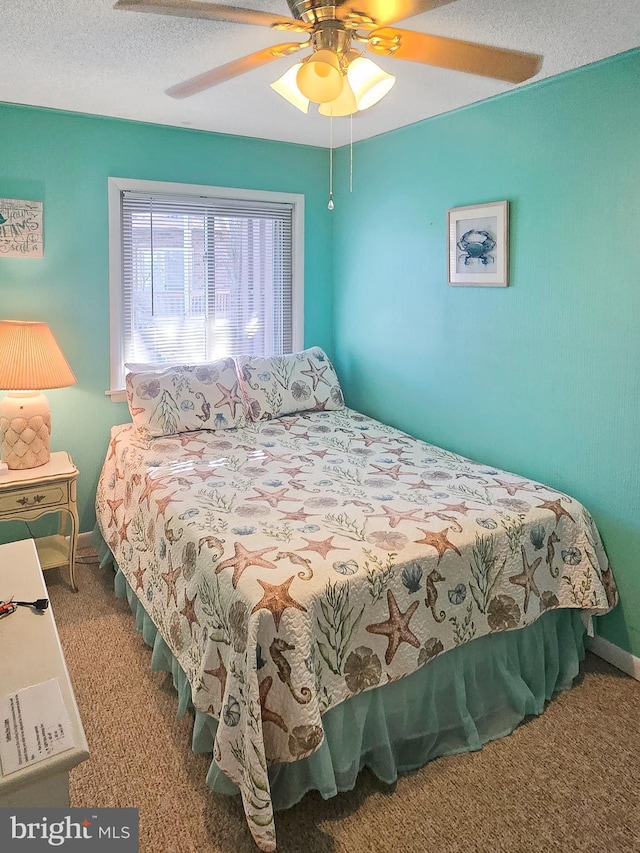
[34,726]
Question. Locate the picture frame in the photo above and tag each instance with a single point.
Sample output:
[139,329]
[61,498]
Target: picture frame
[478,245]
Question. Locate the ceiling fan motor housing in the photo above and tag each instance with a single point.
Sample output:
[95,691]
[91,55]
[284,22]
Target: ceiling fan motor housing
[329,35]
[312,11]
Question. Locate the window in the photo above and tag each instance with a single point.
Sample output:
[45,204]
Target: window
[199,273]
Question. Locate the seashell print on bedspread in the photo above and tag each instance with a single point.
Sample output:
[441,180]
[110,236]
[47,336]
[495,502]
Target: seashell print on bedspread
[292,563]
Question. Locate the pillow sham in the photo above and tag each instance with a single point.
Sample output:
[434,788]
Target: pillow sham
[284,384]
[185,397]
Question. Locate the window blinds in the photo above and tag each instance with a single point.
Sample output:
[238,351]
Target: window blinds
[205,278]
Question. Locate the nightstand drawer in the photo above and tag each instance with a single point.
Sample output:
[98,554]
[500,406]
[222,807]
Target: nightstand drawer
[34,497]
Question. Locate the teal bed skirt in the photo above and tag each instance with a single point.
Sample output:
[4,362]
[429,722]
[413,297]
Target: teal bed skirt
[456,703]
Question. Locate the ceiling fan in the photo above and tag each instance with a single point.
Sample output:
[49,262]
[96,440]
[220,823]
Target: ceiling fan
[336,75]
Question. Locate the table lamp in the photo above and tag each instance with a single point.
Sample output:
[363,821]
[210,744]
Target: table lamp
[30,359]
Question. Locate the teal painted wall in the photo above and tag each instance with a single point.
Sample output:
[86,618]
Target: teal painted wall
[541,378]
[64,160]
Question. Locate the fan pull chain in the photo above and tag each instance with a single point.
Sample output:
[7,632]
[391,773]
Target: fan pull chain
[331,205]
[351,153]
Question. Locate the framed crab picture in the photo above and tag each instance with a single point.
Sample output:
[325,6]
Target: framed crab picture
[478,245]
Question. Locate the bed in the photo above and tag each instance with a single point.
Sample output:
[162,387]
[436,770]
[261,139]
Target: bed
[328,591]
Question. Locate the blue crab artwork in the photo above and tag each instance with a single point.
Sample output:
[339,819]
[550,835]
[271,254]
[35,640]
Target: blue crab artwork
[476,246]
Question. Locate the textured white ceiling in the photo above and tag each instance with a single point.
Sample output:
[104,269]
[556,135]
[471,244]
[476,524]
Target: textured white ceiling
[82,55]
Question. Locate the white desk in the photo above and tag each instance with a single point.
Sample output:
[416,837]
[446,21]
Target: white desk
[30,653]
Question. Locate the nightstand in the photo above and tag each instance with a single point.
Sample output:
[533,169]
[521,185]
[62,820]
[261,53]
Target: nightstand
[34,492]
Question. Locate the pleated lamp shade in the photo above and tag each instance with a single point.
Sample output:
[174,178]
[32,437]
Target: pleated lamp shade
[30,359]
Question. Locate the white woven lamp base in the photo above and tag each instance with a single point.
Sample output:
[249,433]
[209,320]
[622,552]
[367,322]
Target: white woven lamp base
[25,426]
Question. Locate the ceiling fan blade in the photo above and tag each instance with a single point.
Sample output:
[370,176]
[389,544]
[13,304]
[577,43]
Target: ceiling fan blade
[382,12]
[233,69]
[499,63]
[210,11]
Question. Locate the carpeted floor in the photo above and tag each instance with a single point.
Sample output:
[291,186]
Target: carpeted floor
[566,781]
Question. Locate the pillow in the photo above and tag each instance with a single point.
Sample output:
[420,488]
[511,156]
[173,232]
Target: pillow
[284,384]
[185,397]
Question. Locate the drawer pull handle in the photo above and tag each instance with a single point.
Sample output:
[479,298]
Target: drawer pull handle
[36,499]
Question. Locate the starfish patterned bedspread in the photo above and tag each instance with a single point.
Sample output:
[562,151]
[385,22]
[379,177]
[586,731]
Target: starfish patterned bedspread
[292,563]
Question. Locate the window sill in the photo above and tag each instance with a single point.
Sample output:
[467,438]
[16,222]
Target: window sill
[118,396]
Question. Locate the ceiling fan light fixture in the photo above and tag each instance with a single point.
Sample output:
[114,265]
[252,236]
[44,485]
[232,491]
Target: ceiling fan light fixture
[343,105]
[320,78]
[286,87]
[368,82]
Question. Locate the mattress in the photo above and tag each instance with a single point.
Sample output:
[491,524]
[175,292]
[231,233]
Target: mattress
[292,564]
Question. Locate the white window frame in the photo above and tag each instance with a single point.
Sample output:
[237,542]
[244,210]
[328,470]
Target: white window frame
[116,186]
